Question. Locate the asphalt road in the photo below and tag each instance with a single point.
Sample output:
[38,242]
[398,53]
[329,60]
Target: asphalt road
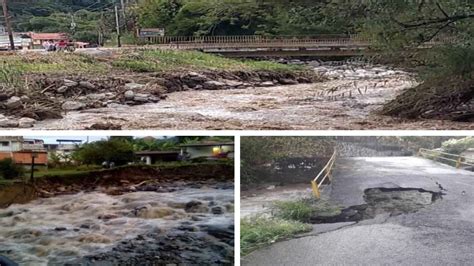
[440,234]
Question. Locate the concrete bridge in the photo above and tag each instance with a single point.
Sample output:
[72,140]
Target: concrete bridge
[271,46]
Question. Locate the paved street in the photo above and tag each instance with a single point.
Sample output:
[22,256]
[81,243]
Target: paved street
[439,234]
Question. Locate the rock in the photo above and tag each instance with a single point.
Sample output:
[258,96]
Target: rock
[233,83]
[60,229]
[288,82]
[213,85]
[272,187]
[303,80]
[97,96]
[134,86]
[266,84]
[87,85]
[217,210]
[155,89]
[13,103]
[140,97]
[62,89]
[195,207]
[129,95]
[104,126]
[72,105]
[116,105]
[70,83]
[26,122]
[5,122]
[24,98]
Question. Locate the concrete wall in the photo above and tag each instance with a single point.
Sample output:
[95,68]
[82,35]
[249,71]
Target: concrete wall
[6,146]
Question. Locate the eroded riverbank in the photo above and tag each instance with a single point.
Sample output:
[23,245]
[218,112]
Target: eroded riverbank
[346,101]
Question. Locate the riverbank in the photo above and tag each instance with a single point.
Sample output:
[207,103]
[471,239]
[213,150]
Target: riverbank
[120,180]
[348,99]
[128,214]
[44,86]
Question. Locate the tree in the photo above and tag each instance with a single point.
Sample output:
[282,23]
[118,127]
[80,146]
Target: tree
[10,170]
[114,150]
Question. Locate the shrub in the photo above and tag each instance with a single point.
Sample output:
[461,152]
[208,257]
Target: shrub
[10,170]
[304,209]
[458,146]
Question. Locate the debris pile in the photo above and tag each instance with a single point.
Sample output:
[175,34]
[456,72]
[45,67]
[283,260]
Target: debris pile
[444,99]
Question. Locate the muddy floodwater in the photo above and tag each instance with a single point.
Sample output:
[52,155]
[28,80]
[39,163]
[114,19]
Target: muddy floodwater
[346,101]
[89,227]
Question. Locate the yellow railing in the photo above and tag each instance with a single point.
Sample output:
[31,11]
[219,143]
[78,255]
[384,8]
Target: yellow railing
[326,173]
[439,155]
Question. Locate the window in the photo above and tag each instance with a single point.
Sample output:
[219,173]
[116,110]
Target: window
[5,143]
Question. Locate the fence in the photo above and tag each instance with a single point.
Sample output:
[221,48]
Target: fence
[454,159]
[326,173]
[257,41]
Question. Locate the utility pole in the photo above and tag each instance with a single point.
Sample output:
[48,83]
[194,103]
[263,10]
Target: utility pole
[32,174]
[119,44]
[8,25]
[122,2]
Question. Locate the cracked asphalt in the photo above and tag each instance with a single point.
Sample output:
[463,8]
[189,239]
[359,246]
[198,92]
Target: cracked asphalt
[440,234]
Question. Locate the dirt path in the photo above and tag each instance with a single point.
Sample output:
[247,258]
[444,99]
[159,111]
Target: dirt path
[347,101]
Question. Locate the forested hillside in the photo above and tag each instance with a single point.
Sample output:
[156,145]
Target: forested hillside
[83,19]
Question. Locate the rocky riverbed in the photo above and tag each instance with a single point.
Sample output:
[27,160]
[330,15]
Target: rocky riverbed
[348,99]
[54,97]
[186,226]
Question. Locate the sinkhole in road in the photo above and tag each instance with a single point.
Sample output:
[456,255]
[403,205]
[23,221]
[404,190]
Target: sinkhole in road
[392,201]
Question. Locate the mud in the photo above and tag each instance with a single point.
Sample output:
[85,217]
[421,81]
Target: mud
[99,229]
[16,193]
[393,201]
[347,101]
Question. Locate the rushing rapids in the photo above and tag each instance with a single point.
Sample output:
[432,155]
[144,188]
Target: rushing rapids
[75,228]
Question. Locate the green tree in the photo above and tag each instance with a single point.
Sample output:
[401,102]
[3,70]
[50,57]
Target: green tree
[114,150]
[10,170]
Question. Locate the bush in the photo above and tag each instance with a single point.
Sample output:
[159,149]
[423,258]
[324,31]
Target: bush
[458,146]
[115,150]
[257,232]
[10,170]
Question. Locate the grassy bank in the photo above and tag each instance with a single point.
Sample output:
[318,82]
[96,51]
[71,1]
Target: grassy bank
[14,67]
[168,60]
[290,218]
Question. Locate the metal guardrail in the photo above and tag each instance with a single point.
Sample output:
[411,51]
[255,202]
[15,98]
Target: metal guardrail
[439,155]
[258,41]
[352,41]
[325,173]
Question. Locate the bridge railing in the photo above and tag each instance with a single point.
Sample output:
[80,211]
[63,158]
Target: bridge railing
[324,174]
[453,159]
[257,40]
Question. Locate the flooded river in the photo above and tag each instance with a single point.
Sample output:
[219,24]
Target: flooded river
[346,101]
[67,229]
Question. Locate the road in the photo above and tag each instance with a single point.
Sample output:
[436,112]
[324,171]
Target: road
[439,234]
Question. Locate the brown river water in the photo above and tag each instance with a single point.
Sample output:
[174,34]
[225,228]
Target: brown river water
[58,230]
[346,101]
